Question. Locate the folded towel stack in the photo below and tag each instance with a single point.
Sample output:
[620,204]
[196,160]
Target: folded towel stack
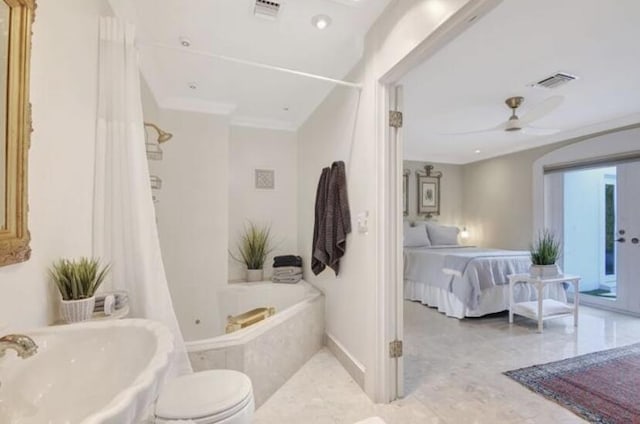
[287,260]
[287,269]
[121,299]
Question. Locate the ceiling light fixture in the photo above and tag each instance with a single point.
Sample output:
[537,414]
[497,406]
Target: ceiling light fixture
[477,152]
[185,42]
[321,21]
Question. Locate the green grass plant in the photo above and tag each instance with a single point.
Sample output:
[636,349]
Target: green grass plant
[254,246]
[546,249]
[78,279]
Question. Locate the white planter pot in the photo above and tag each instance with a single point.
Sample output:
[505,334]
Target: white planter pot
[544,271]
[255,275]
[77,310]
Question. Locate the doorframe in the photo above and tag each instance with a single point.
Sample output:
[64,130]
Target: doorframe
[388,372]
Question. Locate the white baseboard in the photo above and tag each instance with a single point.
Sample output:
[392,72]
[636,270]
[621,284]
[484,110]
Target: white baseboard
[353,367]
[584,301]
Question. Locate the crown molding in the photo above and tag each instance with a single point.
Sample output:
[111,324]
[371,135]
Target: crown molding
[196,105]
[350,3]
[271,124]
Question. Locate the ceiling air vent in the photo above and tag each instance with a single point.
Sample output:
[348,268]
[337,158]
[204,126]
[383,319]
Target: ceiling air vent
[555,81]
[266,9]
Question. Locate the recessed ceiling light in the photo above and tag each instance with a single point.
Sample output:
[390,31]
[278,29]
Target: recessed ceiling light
[185,42]
[193,86]
[477,152]
[321,21]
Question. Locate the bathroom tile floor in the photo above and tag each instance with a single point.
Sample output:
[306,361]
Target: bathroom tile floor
[453,372]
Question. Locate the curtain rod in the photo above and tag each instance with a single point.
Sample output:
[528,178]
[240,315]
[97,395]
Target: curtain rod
[254,64]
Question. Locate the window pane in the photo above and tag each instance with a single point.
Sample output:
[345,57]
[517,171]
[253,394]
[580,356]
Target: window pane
[610,224]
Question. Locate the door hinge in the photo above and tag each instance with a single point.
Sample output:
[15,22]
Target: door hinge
[395,349]
[395,119]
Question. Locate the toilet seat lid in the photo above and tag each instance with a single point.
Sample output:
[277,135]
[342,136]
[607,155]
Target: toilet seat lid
[202,394]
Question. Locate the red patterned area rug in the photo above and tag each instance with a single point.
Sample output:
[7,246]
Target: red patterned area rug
[601,387]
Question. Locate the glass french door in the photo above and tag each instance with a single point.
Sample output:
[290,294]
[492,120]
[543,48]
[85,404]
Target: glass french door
[600,231]
[628,236]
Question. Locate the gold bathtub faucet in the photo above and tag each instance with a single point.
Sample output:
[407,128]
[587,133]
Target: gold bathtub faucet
[238,322]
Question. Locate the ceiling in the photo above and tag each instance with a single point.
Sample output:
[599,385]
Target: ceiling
[252,96]
[462,88]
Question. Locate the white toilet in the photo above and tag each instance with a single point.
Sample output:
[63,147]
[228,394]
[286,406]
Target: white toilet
[207,397]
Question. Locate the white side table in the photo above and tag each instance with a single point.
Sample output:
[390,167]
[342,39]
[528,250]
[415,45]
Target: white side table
[544,309]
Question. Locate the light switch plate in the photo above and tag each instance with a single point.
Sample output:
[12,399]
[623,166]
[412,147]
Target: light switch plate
[363,222]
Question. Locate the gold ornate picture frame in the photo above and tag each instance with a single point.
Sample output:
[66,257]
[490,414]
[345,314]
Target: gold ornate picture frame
[428,191]
[14,232]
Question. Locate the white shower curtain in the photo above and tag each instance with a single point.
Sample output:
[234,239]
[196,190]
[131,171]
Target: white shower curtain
[124,224]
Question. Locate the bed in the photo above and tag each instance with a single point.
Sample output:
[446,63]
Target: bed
[466,281]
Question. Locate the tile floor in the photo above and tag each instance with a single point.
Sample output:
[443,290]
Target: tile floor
[453,372]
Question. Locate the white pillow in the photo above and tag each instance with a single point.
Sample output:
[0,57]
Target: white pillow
[441,235]
[416,237]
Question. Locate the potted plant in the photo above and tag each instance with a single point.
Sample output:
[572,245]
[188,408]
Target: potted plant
[77,282]
[254,246]
[544,255]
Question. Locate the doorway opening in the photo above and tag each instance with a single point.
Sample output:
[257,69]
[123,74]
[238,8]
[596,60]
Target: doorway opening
[456,132]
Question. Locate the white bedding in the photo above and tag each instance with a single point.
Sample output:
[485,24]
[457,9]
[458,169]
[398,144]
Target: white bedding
[492,300]
[478,270]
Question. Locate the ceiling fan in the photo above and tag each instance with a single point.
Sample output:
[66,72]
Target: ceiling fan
[523,125]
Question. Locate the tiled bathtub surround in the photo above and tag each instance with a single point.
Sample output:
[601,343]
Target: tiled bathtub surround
[271,351]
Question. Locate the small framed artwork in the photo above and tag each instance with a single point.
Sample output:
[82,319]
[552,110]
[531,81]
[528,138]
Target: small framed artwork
[265,179]
[429,191]
[405,192]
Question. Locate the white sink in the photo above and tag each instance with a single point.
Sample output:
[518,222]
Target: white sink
[89,373]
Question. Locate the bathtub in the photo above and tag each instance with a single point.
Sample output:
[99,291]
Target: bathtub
[270,351]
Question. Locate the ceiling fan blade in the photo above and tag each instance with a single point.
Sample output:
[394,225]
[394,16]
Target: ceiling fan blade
[542,109]
[529,130]
[499,127]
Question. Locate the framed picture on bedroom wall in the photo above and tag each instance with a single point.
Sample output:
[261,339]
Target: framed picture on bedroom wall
[429,191]
[405,192]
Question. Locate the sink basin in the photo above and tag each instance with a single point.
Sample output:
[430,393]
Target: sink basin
[89,373]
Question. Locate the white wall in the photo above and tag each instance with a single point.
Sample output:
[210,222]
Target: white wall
[64,98]
[324,138]
[192,204]
[344,127]
[504,197]
[451,195]
[498,205]
[250,149]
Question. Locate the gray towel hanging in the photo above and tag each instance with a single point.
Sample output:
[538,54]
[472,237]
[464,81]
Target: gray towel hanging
[332,219]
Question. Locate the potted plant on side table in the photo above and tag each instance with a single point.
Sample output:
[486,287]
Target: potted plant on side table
[544,255]
[77,282]
[254,246]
